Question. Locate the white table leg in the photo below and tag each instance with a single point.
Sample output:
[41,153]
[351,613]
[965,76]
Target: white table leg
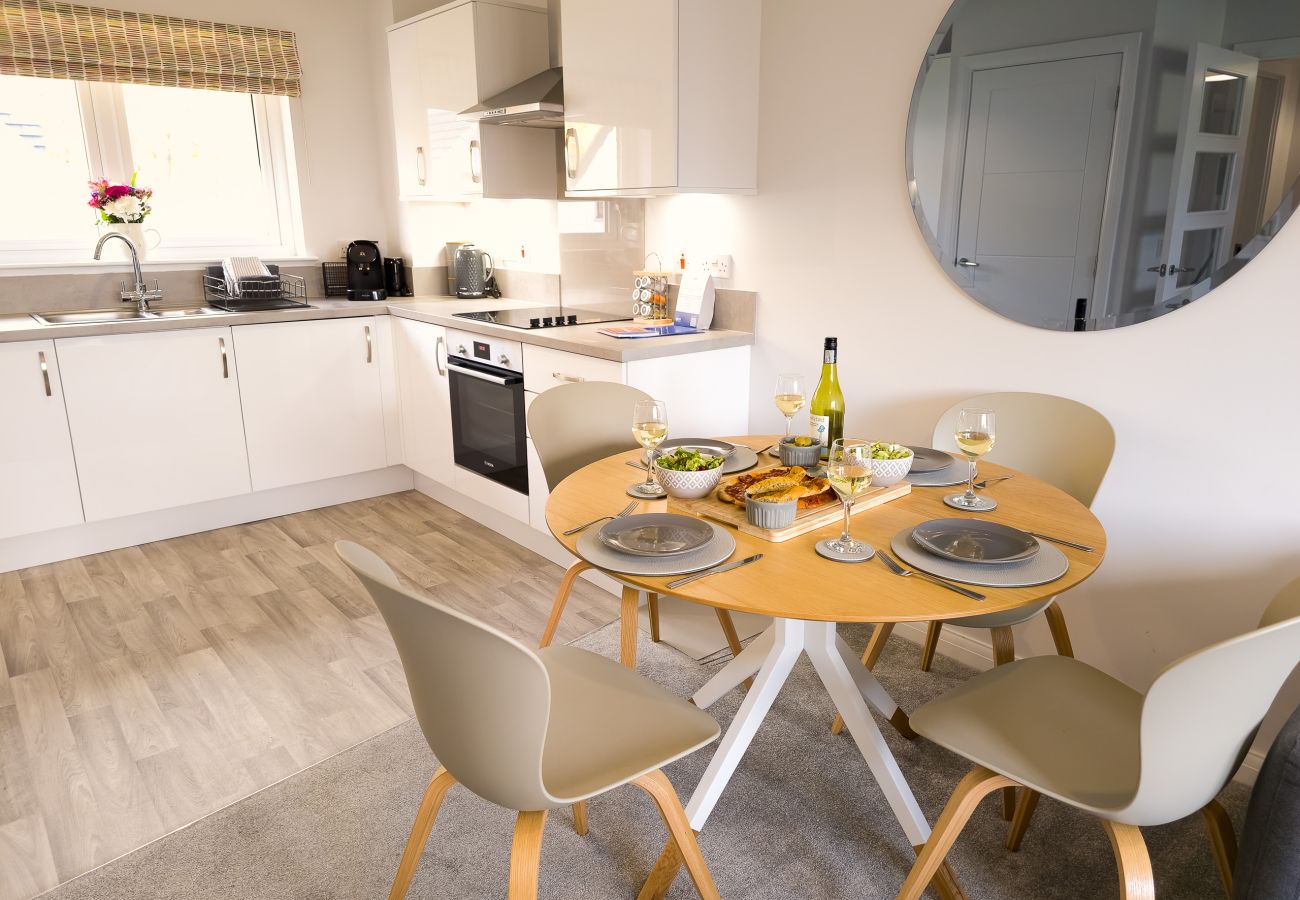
[838,677]
[787,644]
[733,673]
[868,685]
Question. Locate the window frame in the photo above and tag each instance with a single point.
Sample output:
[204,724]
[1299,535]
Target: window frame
[106,137]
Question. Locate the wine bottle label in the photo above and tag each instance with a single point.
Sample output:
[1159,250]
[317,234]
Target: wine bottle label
[828,357]
[821,428]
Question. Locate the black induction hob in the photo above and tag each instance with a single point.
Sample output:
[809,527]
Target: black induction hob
[543,317]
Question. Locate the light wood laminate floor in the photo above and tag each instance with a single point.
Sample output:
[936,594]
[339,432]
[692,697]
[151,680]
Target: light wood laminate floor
[144,688]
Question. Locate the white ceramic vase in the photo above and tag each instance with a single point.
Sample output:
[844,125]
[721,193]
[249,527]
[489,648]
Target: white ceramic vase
[138,235]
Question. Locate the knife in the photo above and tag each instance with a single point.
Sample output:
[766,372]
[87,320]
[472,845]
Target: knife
[715,570]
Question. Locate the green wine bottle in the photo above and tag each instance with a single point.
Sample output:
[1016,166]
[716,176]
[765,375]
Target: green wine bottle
[826,413]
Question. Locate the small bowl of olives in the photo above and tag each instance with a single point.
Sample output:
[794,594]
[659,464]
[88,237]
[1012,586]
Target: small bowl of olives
[799,451]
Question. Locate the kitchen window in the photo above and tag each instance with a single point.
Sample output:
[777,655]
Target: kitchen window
[220,163]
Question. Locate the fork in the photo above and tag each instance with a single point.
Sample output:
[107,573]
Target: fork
[907,573]
[627,510]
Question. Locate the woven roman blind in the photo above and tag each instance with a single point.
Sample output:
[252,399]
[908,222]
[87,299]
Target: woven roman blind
[60,40]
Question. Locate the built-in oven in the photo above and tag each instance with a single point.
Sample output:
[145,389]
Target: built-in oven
[488,431]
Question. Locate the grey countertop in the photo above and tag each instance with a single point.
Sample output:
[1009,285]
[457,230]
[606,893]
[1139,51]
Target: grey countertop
[582,339]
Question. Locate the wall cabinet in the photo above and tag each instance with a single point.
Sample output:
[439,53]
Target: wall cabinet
[38,477]
[677,113]
[446,61]
[155,419]
[425,398]
[312,398]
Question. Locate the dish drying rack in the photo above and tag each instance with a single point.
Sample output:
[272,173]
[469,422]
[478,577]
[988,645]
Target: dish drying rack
[277,292]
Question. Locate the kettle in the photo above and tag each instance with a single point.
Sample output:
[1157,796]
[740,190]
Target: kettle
[473,272]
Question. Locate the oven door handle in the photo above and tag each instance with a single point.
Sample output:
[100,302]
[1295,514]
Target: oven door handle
[483,376]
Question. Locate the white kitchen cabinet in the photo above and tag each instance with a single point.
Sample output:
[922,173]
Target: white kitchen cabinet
[38,477]
[313,401]
[425,398]
[155,419]
[445,61]
[660,96]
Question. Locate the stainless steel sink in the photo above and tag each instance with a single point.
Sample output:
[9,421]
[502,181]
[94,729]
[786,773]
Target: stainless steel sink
[100,316]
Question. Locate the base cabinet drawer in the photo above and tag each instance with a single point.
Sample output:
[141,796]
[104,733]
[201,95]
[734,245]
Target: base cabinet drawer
[38,478]
[545,368]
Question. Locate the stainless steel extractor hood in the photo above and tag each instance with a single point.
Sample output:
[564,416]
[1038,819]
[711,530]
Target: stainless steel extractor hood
[537,102]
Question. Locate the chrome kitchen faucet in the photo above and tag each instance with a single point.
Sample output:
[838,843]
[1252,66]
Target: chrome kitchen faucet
[141,293]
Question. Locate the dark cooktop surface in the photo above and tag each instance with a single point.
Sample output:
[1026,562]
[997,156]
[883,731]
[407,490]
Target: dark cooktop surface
[543,317]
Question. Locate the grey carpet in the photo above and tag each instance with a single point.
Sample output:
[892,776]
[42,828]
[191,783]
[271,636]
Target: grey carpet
[801,819]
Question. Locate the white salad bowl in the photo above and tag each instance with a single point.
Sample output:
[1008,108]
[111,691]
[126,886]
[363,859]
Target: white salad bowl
[886,472]
[688,485]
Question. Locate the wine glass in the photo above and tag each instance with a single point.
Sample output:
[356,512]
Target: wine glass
[790,397]
[975,435]
[649,427]
[848,469]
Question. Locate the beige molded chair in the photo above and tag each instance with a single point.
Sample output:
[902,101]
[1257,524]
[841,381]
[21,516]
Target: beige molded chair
[1061,441]
[573,426]
[1062,728]
[530,731]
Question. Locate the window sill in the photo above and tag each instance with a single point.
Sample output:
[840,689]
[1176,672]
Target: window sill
[91,266]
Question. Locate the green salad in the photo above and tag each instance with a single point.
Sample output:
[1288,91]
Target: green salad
[687,459]
[881,450]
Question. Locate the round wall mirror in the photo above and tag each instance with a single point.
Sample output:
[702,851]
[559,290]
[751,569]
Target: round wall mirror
[1080,166]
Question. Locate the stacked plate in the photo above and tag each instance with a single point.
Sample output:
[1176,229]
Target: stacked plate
[935,468]
[980,552]
[656,544]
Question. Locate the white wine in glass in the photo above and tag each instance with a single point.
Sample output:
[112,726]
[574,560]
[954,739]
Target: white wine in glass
[790,397]
[649,427]
[975,436]
[849,471]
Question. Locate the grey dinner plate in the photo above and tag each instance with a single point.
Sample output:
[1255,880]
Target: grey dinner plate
[928,459]
[975,541]
[742,459]
[655,534]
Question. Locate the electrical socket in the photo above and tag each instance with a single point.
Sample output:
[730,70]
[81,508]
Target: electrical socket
[719,266]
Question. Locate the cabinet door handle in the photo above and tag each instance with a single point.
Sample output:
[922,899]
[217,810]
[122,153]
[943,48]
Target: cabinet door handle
[572,379]
[475,170]
[370,347]
[571,156]
[225,361]
[419,166]
[45,373]
[441,344]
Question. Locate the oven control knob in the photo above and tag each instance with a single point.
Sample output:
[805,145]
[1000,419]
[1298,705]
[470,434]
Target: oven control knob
[461,350]
[503,360]
[548,321]
[534,322]
[573,319]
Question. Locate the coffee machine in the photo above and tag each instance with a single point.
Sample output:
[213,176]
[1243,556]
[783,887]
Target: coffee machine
[365,271]
[396,281]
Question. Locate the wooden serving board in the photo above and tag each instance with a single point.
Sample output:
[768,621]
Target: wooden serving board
[804,521]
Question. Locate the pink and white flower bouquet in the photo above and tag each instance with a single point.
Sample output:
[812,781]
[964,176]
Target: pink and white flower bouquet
[120,203]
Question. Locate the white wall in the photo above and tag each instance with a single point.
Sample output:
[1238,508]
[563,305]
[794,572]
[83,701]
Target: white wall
[1196,547]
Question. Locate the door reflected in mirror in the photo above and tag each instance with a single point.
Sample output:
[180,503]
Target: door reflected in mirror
[1082,166]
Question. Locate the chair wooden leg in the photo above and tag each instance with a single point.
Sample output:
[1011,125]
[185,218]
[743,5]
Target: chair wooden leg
[1223,840]
[526,855]
[660,789]
[931,645]
[1060,634]
[561,598]
[663,874]
[428,811]
[977,785]
[652,608]
[1136,881]
[870,656]
[1020,819]
[1004,651]
[580,817]
[627,633]
[733,638]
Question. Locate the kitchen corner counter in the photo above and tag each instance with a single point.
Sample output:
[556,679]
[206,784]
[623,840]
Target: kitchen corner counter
[581,339]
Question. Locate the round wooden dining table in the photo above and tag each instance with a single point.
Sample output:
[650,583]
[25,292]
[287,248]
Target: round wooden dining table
[807,595]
